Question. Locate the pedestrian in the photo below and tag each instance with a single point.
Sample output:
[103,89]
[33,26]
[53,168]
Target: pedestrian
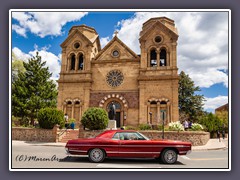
[66,120]
[190,125]
[223,133]
[185,124]
[218,135]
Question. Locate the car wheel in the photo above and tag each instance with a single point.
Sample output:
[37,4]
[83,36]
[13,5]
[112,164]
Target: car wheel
[96,155]
[169,156]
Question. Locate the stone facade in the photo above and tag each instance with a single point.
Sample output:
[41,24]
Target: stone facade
[35,134]
[143,87]
[197,138]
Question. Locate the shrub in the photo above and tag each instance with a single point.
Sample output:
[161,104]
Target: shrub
[71,120]
[196,127]
[24,122]
[130,128]
[49,117]
[145,127]
[95,118]
[176,126]
[160,128]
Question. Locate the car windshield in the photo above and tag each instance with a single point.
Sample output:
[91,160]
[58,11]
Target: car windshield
[143,136]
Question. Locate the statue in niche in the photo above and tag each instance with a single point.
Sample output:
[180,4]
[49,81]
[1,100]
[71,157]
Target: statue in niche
[112,111]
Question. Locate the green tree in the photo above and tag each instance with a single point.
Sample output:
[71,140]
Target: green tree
[211,123]
[17,67]
[190,103]
[223,116]
[33,89]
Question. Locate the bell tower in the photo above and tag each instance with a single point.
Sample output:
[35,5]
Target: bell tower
[74,84]
[158,76]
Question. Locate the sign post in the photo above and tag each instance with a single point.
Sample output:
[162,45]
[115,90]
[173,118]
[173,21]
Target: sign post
[163,119]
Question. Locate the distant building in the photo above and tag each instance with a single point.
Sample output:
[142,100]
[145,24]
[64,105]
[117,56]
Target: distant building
[222,108]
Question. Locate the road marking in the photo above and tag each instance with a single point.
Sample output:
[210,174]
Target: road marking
[119,166]
[185,157]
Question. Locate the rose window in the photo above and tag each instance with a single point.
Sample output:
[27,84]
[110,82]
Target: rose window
[114,78]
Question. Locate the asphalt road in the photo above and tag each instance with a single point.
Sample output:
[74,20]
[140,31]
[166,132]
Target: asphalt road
[31,156]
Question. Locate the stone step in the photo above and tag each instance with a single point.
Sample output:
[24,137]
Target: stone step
[71,134]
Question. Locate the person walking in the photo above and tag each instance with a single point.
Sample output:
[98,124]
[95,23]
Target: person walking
[185,124]
[218,135]
[66,120]
[190,125]
[223,133]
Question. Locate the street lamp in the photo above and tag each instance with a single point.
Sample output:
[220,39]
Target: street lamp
[150,113]
[163,119]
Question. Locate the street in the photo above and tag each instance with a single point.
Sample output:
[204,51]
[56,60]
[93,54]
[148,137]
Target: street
[32,156]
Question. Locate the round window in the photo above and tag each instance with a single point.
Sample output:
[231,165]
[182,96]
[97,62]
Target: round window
[76,45]
[114,78]
[158,39]
[115,53]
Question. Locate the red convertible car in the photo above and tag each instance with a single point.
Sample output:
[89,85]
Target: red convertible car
[128,144]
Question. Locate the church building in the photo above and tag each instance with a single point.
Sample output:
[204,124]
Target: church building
[144,88]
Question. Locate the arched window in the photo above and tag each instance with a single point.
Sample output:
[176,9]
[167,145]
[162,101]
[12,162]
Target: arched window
[153,102]
[153,58]
[163,102]
[73,62]
[163,57]
[117,105]
[80,62]
[69,102]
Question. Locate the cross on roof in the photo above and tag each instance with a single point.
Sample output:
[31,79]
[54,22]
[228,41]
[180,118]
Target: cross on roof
[116,33]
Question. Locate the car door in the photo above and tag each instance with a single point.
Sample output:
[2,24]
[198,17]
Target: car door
[130,147]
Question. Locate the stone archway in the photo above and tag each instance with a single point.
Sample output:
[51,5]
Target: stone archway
[159,109]
[114,96]
[73,108]
[121,111]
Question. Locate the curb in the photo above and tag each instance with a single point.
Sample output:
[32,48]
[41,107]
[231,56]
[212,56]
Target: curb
[210,149]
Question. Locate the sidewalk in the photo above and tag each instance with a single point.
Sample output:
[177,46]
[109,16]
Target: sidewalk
[212,144]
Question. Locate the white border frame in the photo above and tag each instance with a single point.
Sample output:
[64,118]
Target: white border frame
[120,10]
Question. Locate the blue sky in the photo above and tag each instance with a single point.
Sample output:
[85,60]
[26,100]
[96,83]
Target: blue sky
[202,45]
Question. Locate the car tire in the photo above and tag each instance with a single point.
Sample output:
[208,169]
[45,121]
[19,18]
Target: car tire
[169,156]
[96,155]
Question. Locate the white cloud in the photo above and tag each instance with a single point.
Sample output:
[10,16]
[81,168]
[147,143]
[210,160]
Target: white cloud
[104,41]
[19,30]
[43,23]
[52,61]
[20,55]
[212,103]
[202,44]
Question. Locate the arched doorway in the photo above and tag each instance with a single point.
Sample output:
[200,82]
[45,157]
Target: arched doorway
[121,107]
[118,115]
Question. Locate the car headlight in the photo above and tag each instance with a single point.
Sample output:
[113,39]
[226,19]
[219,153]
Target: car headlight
[66,149]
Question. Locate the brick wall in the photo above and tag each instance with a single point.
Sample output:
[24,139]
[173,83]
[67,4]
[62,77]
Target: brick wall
[197,138]
[34,134]
[131,97]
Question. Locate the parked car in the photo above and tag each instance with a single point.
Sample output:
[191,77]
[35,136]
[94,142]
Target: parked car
[127,144]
